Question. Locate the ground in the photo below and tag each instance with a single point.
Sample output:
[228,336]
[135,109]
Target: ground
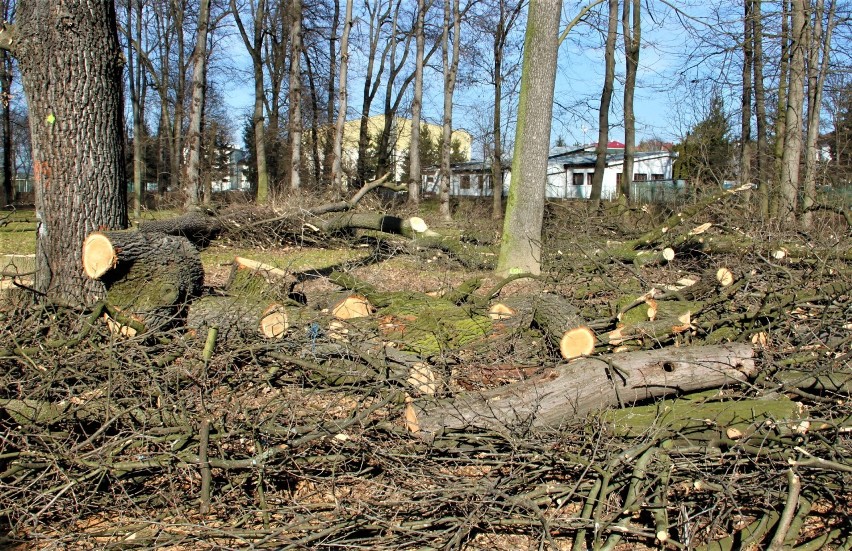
[305,438]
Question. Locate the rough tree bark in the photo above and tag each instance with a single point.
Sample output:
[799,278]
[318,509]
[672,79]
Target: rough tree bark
[520,249]
[337,149]
[6,92]
[71,66]
[792,152]
[296,95]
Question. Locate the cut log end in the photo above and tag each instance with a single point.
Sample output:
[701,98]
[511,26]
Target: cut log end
[724,277]
[418,225]
[500,311]
[668,254]
[353,306]
[577,342]
[99,255]
[273,323]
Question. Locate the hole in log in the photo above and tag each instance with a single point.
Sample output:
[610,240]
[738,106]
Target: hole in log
[668,367]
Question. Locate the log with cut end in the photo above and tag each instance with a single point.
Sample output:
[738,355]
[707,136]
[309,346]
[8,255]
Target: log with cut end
[556,316]
[558,395]
[240,316]
[147,276]
[351,307]
[251,277]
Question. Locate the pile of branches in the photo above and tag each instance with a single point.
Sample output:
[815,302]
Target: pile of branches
[183,438]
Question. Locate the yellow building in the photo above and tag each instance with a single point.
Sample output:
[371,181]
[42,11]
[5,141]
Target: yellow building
[400,142]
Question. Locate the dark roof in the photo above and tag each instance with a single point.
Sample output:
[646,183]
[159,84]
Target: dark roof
[587,158]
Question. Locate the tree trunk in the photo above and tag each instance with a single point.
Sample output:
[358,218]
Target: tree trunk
[296,95]
[337,152]
[450,63]
[781,111]
[254,47]
[632,41]
[745,112]
[792,152]
[71,66]
[606,100]
[6,91]
[573,390]
[520,249]
[194,188]
[760,107]
[331,91]
[136,80]
[819,48]
[415,174]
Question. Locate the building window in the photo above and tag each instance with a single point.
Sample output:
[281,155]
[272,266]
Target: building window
[658,176]
[579,178]
[640,177]
[464,181]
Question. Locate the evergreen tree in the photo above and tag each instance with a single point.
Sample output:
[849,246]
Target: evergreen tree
[705,155]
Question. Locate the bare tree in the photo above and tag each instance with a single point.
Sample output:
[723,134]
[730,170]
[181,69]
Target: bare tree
[632,40]
[194,189]
[792,152]
[414,165]
[254,46]
[606,100]
[6,107]
[745,112]
[760,105]
[295,123]
[450,63]
[819,48]
[337,151]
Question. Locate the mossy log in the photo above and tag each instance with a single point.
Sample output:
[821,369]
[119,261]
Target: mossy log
[241,316]
[418,322]
[703,413]
[256,279]
[566,392]
[407,227]
[149,276]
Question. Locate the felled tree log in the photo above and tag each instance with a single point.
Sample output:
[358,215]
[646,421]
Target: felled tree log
[407,227]
[149,276]
[257,303]
[557,395]
[240,317]
[558,319]
[198,226]
[417,322]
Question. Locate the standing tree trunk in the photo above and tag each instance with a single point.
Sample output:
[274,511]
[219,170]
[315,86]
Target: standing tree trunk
[296,95]
[631,52]
[331,91]
[818,58]
[337,152]
[254,46]
[6,96]
[71,67]
[520,248]
[415,170]
[606,100]
[451,65]
[792,152]
[136,80]
[745,113]
[781,111]
[194,187]
[760,107]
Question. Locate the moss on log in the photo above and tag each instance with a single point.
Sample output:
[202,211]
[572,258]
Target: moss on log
[695,414]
